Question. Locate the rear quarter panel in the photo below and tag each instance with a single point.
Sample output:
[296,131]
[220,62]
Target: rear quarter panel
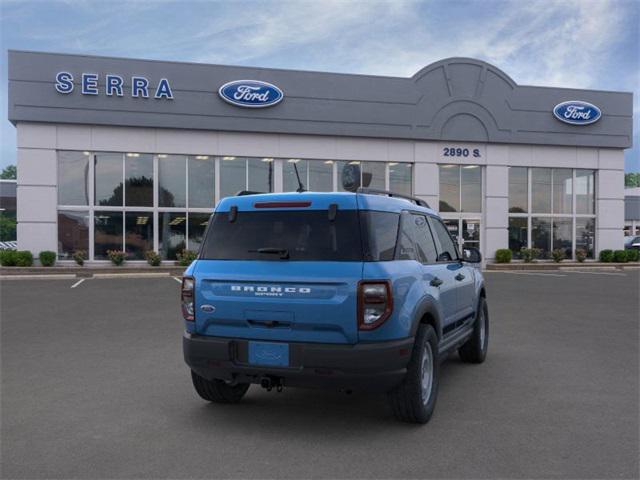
[409,294]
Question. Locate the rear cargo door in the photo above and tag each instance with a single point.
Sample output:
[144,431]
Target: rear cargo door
[281,269]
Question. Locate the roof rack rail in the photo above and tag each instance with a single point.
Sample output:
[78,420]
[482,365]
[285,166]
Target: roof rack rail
[373,191]
[242,193]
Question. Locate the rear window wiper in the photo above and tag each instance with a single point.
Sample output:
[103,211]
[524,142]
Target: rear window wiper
[283,252]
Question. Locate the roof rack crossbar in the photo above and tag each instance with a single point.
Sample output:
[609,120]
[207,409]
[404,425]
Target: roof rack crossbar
[374,191]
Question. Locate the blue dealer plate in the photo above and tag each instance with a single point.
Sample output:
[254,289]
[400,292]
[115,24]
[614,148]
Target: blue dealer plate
[268,353]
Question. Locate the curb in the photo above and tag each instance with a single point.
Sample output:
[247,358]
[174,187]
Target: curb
[89,272]
[560,266]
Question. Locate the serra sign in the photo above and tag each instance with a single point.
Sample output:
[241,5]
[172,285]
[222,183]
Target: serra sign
[250,93]
[113,85]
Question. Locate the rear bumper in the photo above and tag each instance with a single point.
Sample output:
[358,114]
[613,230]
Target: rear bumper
[369,366]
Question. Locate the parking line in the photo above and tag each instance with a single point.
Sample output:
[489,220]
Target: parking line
[78,283]
[177,280]
[531,273]
[598,273]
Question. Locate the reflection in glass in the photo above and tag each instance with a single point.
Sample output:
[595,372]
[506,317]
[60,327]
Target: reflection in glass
[138,173]
[517,235]
[585,191]
[289,178]
[449,188]
[518,190]
[171,180]
[562,235]
[373,175]
[108,179]
[73,178]
[197,224]
[138,234]
[233,176]
[562,190]
[340,164]
[107,233]
[471,188]
[202,181]
[541,190]
[260,174]
[454,229]
[585,235]
[541,235]
[471,233]
[73,233]
[400,177]
[320,175]
[172,233]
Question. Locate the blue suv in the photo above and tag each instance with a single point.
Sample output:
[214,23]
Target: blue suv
[358,290]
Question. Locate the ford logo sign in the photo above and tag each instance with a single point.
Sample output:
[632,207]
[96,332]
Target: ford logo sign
[577,112]
[250,93]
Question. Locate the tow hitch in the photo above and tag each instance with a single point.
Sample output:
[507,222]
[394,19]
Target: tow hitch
[269,383]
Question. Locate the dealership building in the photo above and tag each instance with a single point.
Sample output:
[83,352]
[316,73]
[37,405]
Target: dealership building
[128,154]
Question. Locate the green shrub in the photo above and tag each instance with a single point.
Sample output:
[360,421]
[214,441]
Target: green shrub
[24,258]
[186,257]
[503,255]
[80,256]
[606,255]
[47,258]
[620,256]
[153,258]
[526,254]
[558,255]
[117,257]
[633,255]
[8,258]
[581,254]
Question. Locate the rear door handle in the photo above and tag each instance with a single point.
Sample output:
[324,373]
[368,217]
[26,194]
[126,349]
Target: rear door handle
[459,277]
[436,282]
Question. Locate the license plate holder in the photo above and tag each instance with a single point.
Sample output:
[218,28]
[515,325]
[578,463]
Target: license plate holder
[269,354]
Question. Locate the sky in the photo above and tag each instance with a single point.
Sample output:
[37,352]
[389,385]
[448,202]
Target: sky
[565,43]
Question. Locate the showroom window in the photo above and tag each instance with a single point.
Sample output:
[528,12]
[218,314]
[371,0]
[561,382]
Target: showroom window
[551,208]
[139,201]
[460,188]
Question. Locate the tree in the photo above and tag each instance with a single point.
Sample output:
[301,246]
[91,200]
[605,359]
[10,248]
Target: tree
[632,180]
[9,172]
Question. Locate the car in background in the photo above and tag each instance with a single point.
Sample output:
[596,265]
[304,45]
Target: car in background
[631,242]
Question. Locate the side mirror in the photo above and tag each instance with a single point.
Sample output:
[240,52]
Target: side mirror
[351,177]
[471,255]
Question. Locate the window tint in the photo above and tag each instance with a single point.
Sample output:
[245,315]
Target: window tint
[448,251]
[379,233]
[304,235]
[415,242]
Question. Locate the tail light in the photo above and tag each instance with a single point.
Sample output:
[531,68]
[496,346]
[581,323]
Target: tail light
[186,298]
[375,303]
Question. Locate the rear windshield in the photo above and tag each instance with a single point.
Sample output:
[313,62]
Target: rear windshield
[279,235]
[302,235]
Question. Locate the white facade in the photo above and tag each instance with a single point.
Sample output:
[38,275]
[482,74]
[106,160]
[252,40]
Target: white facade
[37,169]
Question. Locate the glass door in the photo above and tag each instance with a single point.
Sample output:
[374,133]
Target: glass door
[465,231]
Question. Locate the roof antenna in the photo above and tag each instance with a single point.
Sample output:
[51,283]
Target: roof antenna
[300,185]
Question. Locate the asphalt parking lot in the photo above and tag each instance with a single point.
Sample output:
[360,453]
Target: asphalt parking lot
[94,386]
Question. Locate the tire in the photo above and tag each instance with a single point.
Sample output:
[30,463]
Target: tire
[475,349]
[218,391]
[415,398]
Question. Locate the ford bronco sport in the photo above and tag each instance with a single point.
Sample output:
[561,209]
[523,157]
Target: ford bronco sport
[362,290]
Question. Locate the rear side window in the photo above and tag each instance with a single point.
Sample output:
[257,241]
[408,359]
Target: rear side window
[415,241]
[268,235]
[448,250]
[379,234]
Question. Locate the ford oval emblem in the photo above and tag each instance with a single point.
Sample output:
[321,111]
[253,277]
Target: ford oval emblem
[577,112]
[251,93]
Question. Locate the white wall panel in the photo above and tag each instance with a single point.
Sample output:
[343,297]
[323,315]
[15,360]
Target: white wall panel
[37,167]
[426,180]
[73,137]
[36,204]
[250,145]
[36,135]
[123,139]
[307,146]
[188,142]
[37,237]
